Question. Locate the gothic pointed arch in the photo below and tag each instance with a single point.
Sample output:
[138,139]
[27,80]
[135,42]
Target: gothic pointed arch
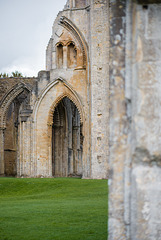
[71,27]
[70,93]
[54,105]
[52,108]
[8,126]
[66,137]
[8,98]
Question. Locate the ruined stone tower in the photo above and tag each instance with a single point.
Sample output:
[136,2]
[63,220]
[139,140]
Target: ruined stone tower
[95,111]
[50,125]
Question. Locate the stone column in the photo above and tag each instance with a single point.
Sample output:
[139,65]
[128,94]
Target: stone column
[71,3]
[24,167]
[119,125]
[1,151]
[61,151]
[70,161]
[75,153]
[50,130]
[99,48]
[70,140]
[65,60]
[65,154]
[56,151]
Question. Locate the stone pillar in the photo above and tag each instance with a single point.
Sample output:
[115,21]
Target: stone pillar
[65,154]
[71,3]
[75,153]
[24,167]
[70,142]
[99,88]
[119,125]
[65,60]
[50,149]
[19,149]
[145,205]
[61,140]
[56,151]
[1,151]
[19,165]
[70,161]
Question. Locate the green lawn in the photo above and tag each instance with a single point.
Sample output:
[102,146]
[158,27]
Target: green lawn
[53,209]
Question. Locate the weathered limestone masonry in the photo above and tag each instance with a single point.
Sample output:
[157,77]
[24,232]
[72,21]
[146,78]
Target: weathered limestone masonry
[118,121]
[135,162]
[62,130]
[16,100]
[146,121]
[99,49]
[96,110]
[87,29]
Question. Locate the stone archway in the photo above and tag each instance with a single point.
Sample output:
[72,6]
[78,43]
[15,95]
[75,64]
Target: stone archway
[11,133]
[67,144]
[43,113]
[9,110]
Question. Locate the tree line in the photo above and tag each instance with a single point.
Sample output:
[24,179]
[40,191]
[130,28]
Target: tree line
[13,74]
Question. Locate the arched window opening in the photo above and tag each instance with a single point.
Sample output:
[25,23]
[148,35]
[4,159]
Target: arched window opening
[60,56]
[67,144]
[72,56]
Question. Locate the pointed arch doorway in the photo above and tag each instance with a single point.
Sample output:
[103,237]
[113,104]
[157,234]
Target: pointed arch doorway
[67,140]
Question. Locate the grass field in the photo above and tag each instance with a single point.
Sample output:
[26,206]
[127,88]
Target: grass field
[53,209]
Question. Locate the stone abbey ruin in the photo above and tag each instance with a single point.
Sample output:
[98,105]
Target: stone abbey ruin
[95,111]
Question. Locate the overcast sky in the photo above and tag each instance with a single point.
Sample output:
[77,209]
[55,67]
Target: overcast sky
[25,29]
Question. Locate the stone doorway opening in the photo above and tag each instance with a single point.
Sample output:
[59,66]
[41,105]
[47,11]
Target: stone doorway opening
[67,140]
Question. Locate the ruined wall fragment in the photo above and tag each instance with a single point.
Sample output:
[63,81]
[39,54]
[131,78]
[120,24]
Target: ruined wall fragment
[118,120]
[146,122]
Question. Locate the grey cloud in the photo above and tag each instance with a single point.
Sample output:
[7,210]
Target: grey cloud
[25,30]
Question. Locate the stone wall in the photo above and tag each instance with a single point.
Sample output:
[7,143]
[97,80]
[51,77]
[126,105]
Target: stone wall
[118,121]
[146,122]
[135,182]
[7,84]
[89,26]
[99,55]
[68,62]
[15,99]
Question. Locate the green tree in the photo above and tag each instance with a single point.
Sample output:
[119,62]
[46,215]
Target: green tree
[16,74]
[5,75]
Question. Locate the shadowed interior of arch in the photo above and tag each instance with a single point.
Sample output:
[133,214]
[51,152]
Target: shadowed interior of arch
[11,133]
[67,140]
